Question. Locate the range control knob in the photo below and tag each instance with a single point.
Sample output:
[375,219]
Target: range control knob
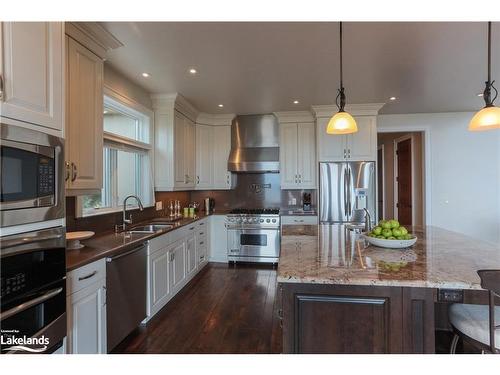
[261,220]
[274,220]
[268,220]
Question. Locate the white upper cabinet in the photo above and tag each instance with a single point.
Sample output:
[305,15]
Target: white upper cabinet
[32,73]
[358,146]
[84,126]
[221,149]
[298,155]
[204,158]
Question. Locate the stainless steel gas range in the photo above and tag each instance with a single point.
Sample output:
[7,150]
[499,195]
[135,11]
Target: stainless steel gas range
[253,235]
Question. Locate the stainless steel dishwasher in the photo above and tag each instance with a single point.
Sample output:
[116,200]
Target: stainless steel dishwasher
[126,284]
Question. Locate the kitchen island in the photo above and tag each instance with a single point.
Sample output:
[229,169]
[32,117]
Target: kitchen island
[339,295]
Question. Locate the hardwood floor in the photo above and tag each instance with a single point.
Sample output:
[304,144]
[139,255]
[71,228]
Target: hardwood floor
[224,309]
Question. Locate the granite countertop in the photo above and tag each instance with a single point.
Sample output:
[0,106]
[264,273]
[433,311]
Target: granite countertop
[328,254]
[110,243]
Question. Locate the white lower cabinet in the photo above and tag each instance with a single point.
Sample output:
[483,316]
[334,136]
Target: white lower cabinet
[173,260]
[86,309]
[218,239]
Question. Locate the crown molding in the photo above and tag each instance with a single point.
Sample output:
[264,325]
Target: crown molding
[215,119]
[174,101]
[93,36]
[294,116]
[369,109]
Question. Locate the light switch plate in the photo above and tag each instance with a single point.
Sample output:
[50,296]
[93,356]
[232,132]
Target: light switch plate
[159,206]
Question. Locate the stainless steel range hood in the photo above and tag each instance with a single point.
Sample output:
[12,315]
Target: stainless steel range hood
[254,144]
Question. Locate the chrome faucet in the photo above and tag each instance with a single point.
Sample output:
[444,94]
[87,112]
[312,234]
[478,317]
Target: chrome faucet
[368,221]
[129,220]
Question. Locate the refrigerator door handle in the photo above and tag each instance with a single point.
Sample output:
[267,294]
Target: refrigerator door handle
[349,190]
[345,192]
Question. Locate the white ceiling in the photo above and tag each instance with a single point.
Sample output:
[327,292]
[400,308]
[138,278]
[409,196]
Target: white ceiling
[262,67]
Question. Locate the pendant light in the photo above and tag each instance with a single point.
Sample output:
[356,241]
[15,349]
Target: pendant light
[489,117]
[342,122]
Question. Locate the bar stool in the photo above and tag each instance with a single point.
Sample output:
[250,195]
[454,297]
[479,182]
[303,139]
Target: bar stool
[476,323]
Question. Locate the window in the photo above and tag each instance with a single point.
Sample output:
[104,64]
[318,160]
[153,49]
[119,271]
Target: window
[127,160]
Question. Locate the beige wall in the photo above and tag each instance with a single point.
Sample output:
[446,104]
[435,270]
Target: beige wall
[387,140]
[121,84]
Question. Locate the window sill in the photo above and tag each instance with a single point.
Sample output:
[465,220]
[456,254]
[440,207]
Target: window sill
[105,211]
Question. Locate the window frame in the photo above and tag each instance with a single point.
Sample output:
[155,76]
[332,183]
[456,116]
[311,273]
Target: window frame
[127,106]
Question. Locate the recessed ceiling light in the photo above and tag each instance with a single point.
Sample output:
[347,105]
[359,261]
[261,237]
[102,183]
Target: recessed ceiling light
[295,102]
[146,75]
[392,98]
[193,71]
[221,105]
[480,94]
[105,112]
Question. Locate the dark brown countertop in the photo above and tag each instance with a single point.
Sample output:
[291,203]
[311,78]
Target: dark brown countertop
[110,243]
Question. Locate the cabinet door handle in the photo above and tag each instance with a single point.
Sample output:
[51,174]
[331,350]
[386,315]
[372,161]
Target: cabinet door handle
[88,276]
[1,87]
[349,153]
[74,172]
[192,228]
[197,180]
[201,243]
[66,178]
[345,153]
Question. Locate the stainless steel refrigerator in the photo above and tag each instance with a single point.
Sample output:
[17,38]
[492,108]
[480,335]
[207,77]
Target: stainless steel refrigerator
[345,187]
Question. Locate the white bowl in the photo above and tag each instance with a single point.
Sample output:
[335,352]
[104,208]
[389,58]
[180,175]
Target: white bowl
[391,244]
[73,239]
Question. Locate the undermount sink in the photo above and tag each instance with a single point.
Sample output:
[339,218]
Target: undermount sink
[150,228]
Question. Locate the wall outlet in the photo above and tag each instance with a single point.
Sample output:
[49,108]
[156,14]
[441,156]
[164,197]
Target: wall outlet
[159,206]
[292,202]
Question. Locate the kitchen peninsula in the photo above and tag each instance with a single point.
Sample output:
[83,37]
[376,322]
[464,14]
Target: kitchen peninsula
[340,296]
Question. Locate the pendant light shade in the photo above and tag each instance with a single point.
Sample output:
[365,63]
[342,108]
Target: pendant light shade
[342,122]
[486,119]
[489,117]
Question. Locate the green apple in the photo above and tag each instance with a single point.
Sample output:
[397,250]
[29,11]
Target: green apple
[381,237]
[386,233]
[403,230]
[401,237]
[396,232]
[385,224]
[394,224]
[408,237]
[391,238]
[377,230]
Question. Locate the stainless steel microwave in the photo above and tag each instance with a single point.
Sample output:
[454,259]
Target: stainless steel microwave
[32,176]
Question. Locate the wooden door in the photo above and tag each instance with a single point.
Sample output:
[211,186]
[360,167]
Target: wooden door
[288,156]
[84,140]
[204,159]
[361,146]
[32,68]
[380,183]
[306,155]
[87,320]
[404,182]
[221,149]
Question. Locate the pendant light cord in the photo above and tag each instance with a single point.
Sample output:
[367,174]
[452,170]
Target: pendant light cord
[340,99]
[489,83]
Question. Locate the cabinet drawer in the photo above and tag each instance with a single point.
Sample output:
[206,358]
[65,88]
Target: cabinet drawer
[84,276]
[299,220]
[202,254]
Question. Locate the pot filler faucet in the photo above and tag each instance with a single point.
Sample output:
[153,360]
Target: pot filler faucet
[126,221]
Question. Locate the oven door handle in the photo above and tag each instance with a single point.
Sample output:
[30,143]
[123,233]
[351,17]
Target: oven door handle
[26,241]
[31,303]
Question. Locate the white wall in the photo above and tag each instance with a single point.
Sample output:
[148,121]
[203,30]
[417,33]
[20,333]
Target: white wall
[464,171]
[119,83]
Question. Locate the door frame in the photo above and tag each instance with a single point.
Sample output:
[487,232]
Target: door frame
[412,168]
[426,144]
[382,167]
